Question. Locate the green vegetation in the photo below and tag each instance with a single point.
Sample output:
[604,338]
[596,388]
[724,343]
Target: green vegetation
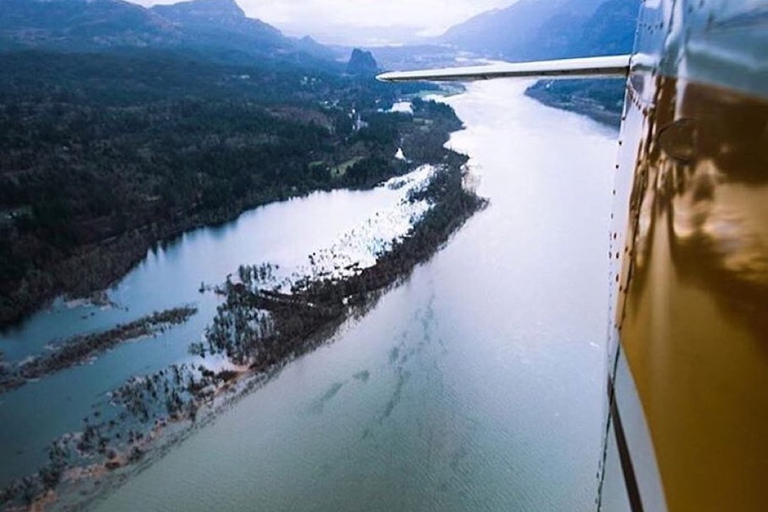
[341,170]
[103,155]
[257,327]
[601,100]
[264,328]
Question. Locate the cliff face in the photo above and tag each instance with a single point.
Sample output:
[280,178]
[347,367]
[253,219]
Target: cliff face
[611,30]
[362,63]
[210,21]
[210,11]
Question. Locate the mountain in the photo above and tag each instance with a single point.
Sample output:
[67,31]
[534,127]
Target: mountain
[361,63]
[527,30]
[552,29]
[205,13]
[81,24]
[217,29]
[609,31]
[222,23]
[311,47]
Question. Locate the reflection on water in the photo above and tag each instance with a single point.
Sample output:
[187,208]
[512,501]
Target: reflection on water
[694,321]
[476,385]
[354,223]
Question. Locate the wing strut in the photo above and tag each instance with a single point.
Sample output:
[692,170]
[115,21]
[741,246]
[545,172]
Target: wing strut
[590,67]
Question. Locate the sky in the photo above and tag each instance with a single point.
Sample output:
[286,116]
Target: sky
[342,21]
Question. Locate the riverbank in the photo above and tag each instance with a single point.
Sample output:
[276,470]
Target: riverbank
[600,100]
[258,331]
[180,397]
[463,386]
[260,327]
[79,349]
[114,168]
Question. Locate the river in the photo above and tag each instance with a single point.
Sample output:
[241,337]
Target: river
[475,385]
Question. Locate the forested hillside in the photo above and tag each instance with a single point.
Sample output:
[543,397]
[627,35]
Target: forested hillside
[212,29]
[107,150]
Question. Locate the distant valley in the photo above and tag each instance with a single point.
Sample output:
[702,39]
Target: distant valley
[552,29]
[539,30]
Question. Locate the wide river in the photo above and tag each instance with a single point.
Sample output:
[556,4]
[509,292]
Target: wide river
[475,385]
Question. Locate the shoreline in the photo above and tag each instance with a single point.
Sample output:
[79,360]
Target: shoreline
[204,393]
[94,264]
[156,411]
[578,101]
[79,349]
[123,253]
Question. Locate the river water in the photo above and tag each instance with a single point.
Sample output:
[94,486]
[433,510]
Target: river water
[475,385]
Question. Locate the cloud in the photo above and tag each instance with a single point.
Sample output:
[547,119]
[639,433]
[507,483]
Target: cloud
[432,16]
[372,13]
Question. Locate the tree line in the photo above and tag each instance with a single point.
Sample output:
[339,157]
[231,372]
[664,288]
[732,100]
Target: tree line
[140,145]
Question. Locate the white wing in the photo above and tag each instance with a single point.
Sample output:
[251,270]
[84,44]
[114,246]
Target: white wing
[591,67]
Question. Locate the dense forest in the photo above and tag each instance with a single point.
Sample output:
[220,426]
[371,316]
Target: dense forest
[104,154]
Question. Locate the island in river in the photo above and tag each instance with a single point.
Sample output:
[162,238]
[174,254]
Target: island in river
[259,329]
[102,156]
[79,349]
[191,391]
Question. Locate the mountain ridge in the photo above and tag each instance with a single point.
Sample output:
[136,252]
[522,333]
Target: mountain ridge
[539,30]
[218,29]
[522,31]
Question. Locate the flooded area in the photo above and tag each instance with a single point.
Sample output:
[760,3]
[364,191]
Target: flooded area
[477,384]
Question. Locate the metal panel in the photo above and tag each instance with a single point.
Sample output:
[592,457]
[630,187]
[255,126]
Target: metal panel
[690,249]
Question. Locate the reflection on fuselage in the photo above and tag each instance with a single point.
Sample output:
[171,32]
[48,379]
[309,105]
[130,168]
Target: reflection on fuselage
[693,291]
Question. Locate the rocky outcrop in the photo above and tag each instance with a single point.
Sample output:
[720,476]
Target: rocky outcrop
[362,63]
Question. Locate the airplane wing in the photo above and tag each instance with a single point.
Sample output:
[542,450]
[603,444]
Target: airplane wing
[590,67]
